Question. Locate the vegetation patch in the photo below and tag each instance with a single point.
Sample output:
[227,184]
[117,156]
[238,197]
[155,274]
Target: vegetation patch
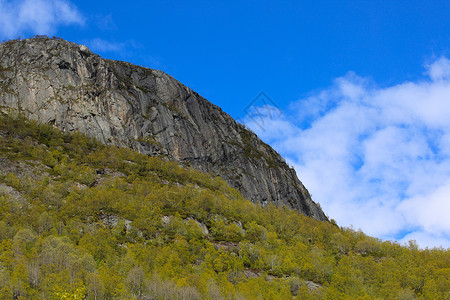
[155,230]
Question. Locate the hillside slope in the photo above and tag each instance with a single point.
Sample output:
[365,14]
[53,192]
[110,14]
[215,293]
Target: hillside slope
[81,220]
[66,85]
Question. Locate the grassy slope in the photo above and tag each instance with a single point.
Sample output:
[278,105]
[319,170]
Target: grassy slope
[80,219]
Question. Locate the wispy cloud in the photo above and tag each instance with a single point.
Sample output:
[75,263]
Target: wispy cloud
[36,16]
[126,50]
[375,158]
[102,45]
[106,22]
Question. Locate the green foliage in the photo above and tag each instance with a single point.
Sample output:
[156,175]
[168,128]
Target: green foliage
[81,220]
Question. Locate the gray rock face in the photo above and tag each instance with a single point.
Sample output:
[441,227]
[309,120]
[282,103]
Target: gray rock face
[65,84]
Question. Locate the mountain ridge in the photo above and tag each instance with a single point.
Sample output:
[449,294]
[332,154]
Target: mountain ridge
[64,84]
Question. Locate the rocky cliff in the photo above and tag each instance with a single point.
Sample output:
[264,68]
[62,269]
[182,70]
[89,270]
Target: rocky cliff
[65,84]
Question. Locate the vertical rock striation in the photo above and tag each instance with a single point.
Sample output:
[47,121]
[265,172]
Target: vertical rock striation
[65,84]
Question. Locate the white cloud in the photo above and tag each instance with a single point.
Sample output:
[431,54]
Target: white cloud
[430,210]
[375,158]
[440,69]
[36,16]
[102,45]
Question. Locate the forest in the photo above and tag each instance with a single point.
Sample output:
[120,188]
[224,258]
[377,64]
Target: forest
[82,220]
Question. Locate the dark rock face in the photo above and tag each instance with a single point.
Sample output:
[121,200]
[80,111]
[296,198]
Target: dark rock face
[65,84]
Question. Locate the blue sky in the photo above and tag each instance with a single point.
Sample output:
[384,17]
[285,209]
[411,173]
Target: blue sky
[361,87]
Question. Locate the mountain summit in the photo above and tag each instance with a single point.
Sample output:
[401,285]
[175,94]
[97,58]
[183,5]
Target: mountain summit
[61,83]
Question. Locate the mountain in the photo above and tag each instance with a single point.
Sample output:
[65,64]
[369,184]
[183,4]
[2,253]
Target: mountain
[64,84]
[81,218]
